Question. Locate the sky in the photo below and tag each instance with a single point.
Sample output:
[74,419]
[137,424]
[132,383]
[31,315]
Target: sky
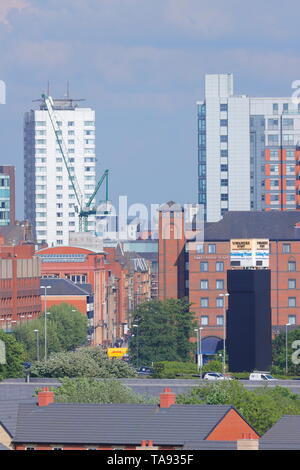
[141,64]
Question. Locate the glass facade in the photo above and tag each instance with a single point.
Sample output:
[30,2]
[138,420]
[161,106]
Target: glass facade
[202,154]
[4,200]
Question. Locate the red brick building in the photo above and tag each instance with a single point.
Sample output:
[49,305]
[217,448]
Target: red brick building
[19,285]
[81,266]
[171,252]
[206,266]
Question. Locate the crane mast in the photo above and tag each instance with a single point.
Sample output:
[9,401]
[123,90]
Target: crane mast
[83,210]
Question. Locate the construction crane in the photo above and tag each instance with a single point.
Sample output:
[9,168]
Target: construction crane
[83,210]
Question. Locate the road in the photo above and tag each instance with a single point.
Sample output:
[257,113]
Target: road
[18,389]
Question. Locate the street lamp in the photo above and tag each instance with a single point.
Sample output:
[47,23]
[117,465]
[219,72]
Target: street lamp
[137,345]
[286,349]
[45,313]
[199,349]
[224,331]
[37,345]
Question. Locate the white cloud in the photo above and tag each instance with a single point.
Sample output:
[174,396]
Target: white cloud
[7,5]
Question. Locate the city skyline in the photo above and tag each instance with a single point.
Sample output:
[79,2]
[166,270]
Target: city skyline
[143,73]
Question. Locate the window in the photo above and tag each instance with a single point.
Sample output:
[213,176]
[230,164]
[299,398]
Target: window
[211,249]
[286,248]
[224,107]
[220,320]
[274,155]
[274,169]
[40,123]
[290,155]
[204,302]
[200,248]
[274,183]
[288,139]
[220,284]
[285,108]
[275,108]
[204,267]
[220,302]
[292,283]
[204,320]
[224,153]
[204,285]
[292,302]
[292,319]
[71,123]
[273,139]
[224,167]
[288,124]
[273,124]
[224,123]
[224,197]
[224,138]
[220,266]
[224,183]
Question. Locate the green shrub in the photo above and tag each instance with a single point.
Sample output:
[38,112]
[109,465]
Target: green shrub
[171,370]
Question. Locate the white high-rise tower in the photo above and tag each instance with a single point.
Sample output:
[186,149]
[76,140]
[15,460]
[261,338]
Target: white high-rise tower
[50,202]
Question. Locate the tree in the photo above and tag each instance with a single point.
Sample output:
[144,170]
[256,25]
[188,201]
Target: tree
[88,390]
[163,332]
[15,357]
[66,330]
[262,408]
[279,352]
[84,362]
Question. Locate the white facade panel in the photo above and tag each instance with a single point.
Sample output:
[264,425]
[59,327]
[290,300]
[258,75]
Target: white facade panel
[239,153]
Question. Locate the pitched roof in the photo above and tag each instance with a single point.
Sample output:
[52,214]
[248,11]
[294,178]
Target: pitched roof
[285,432]
[9,414]
[116,424]
[210,445]
[273,225]
[60,286]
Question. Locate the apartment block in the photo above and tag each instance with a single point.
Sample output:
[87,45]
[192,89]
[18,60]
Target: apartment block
[7,195]
[248,151]
[50,201]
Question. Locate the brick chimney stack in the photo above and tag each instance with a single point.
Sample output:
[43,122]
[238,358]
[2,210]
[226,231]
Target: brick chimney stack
[45,397]
[167,398]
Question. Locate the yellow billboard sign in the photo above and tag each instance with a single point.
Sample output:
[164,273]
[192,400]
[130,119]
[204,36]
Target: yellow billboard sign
[117,352]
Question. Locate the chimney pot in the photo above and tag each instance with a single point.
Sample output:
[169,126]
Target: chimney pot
[45,397]
[167,398]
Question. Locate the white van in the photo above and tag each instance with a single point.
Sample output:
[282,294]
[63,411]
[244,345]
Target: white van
[261,376]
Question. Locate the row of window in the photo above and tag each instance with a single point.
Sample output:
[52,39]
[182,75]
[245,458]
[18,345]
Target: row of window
[204,302]
[205,320]
[204,284]
[212,249]
[59,123]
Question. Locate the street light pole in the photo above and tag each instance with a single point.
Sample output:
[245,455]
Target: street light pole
[45,313]
[137,345]
[224,331]
[37,345]
[286,349]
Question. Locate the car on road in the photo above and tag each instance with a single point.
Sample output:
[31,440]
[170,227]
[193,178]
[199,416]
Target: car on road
[261,376]
[145,371]
[215,376]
